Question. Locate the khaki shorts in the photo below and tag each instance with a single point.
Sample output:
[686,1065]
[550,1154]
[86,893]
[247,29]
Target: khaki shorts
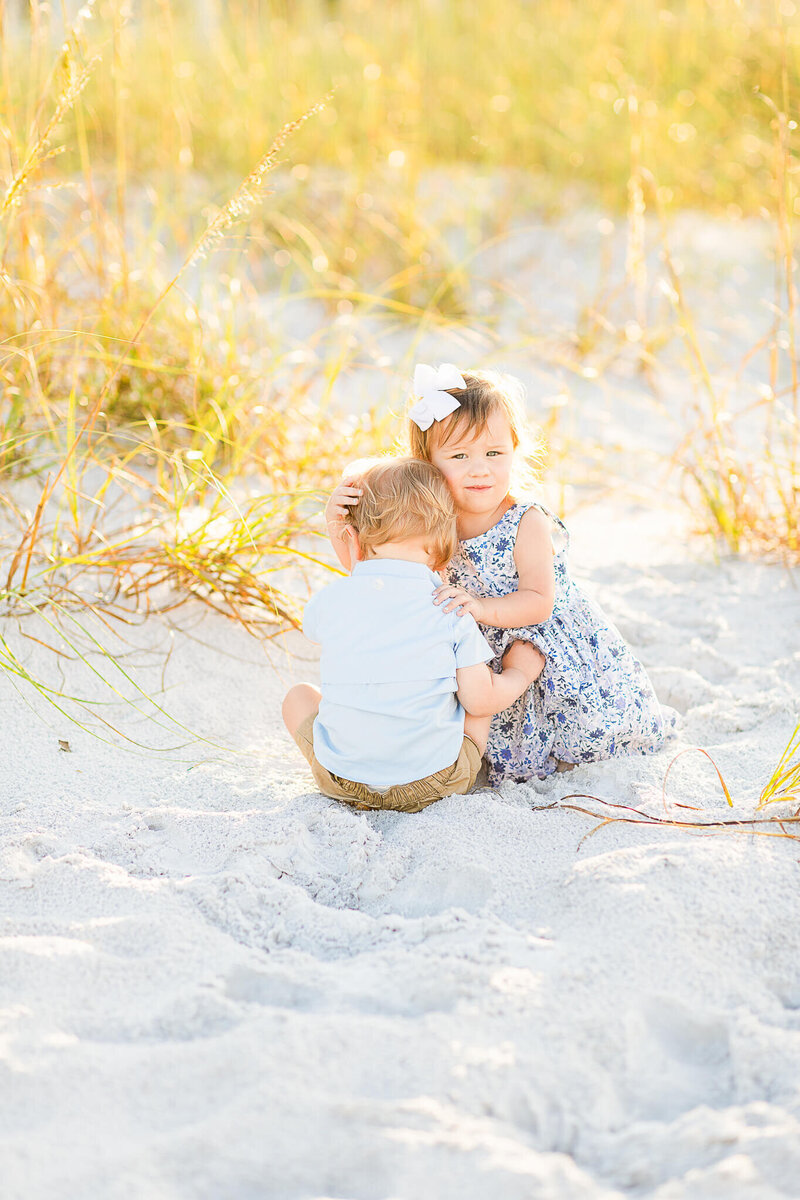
[405,797]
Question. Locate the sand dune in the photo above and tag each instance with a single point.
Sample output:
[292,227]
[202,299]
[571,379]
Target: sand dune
[216,982]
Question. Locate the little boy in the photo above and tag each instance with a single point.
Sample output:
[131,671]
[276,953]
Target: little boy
[407,698]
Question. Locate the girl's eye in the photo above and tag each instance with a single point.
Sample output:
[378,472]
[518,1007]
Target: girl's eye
[459,456]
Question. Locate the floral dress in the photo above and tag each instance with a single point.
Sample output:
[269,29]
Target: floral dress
[593,699]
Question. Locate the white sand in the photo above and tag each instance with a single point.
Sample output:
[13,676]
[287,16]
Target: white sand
[216,983]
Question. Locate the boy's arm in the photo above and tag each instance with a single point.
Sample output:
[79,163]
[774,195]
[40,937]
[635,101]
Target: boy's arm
[482,693]
[532,602]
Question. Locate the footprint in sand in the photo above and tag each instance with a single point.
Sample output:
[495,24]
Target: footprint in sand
[677,1059]
[433,889]
[366,994]
[270,988]
[681,688]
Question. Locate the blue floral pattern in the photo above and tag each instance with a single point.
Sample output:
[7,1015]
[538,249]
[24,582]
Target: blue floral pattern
[593,699]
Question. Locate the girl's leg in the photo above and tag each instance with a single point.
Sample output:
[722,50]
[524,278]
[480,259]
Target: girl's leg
[301,701]
[478,729]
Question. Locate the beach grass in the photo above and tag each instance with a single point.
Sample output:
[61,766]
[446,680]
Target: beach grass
[155,429]
[541,88]
[783,784]
[782,787]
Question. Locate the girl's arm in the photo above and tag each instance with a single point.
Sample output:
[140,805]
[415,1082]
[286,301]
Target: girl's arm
[532,602]
[345,494]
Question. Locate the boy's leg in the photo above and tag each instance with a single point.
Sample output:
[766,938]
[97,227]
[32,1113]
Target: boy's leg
[478,729]
[300,703]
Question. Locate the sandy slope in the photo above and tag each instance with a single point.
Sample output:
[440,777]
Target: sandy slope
[216,983]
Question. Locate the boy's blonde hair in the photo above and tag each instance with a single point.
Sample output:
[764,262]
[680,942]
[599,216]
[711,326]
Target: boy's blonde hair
[403,498]
[486,392]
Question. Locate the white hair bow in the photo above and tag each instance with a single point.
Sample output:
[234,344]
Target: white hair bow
[435,402]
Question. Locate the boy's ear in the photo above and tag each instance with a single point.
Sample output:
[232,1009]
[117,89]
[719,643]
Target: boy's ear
[350,539]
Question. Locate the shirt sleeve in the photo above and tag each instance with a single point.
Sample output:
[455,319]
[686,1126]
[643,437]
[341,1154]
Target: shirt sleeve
[311,618]
[470,646]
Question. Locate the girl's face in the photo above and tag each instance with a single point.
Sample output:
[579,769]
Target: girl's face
[477,468]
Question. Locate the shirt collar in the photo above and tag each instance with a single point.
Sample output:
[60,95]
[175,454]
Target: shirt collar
[396,566]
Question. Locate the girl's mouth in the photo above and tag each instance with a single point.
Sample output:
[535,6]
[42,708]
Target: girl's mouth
[479,487]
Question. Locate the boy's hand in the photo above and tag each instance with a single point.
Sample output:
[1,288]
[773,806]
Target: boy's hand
[526,658]
[343,496]
[457,598]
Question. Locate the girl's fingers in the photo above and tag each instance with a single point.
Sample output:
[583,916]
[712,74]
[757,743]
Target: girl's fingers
[455,595]
[453,598]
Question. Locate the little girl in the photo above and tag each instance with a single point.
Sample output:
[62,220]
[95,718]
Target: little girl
[592,699]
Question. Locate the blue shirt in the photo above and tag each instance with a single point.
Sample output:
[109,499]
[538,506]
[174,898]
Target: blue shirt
[389,713]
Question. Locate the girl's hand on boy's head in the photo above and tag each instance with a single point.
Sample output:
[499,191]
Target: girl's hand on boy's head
[462,601]
[342,498]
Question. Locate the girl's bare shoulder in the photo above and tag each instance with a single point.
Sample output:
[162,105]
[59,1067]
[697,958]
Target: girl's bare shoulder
[534,536]
[535,523]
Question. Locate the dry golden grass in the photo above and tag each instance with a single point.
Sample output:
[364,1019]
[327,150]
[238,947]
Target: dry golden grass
[118,396]
[740,458]
[543,89]
[782,787]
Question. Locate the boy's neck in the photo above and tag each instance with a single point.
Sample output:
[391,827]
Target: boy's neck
[408,550]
